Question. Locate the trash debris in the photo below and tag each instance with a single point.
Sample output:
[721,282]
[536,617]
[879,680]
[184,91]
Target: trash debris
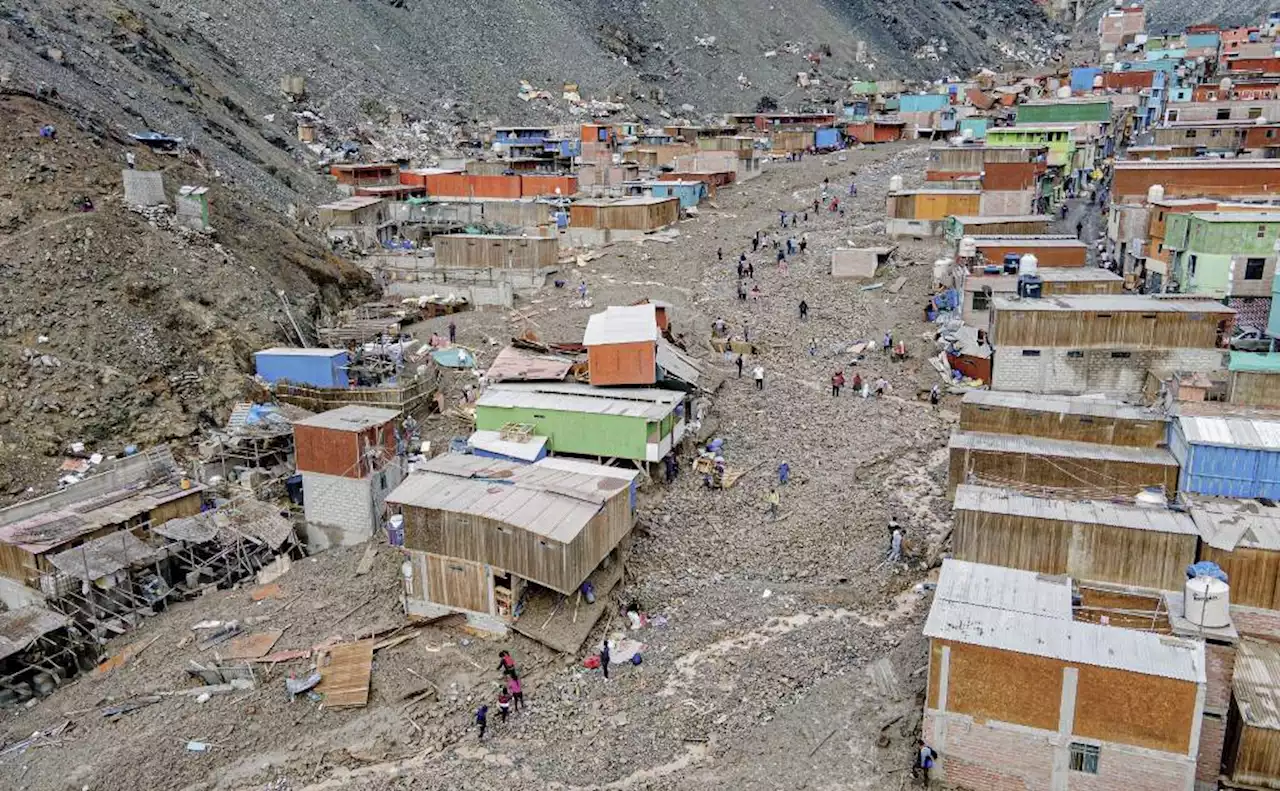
[296,686]
[198,747]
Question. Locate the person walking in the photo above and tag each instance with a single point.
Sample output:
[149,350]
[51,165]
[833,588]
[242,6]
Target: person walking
[774,500]
[517,693]
[482,720]
[507,664]
[804,242]
[1079,230]
[813,347]
[837,382]
[895,546]
[719,253]
[742,290]
[758,372]
[755,244]
[857,381]
[882,386]
[804,310]
[504,704]
[935,395]
[739,366]
[604,658]
[781,255]
[784,473]
[751,270]
[453,332]
[888,341]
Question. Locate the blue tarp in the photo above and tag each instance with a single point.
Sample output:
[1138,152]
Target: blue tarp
[454,357]
[1206,568]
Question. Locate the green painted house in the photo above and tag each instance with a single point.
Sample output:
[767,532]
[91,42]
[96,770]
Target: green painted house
[640,424]
[1065,111]
[1058,140]
[1224,254]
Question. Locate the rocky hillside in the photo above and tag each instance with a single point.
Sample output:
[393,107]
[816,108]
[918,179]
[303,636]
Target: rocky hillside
[210,71]
[119,328]
[1174,15]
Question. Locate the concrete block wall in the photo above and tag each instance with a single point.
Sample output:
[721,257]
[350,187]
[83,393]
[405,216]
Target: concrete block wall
[996,756]
[339,510]
[1117,372]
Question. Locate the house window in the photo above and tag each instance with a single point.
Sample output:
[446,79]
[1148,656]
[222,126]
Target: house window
[1121,355]
[1191,265]
[1190,134]
[1253,268]
[1262,231]
[1255,112]
[1215,133]
[1075,354]
[1084,758]
[1224,113]
[1030,352]
[1270,133]
[382,481]
[981,301]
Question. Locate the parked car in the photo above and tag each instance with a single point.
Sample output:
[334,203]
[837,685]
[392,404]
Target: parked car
[1251,339]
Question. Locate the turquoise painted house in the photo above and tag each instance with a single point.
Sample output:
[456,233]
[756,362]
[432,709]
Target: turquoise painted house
[975,127]
[690,193]
[923,102]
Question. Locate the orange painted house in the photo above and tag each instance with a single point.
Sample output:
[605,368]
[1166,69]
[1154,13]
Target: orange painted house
[622,346]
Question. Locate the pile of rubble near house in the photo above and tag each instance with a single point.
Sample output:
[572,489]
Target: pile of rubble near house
[1108,618]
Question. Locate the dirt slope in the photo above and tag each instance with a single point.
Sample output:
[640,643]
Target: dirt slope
[149,330]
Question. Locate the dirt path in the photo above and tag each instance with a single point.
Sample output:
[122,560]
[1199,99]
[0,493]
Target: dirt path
[787,645]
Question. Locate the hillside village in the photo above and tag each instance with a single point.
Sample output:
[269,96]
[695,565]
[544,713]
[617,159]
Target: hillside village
[921,438]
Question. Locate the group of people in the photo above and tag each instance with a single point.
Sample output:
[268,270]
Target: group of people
[510,693]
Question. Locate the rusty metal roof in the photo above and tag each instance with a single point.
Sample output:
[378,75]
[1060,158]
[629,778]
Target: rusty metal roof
[1256,684]
[21,627]
[518,365]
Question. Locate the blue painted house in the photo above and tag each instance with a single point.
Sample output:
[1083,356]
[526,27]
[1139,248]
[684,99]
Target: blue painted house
[690,193]
[1082,78]
[827,139]
[315,367]
[923,102]
[1227,456]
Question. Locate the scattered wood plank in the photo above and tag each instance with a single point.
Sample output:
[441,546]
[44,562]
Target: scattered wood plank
[897,285]
[366,560]
[283,656]
[263,592]
[251,646]
[344,680]
[126,655]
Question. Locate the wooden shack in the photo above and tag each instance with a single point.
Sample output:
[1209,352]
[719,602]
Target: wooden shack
[626,214]
[932,204]
[1109,322]
[355,174]
[489,549]
[1096,541]
[1071,418]
[1243,538]
[477,251]
[1062,468]
[622,345]
[1050,251]
[1251,746]
[133,493]
[961,225]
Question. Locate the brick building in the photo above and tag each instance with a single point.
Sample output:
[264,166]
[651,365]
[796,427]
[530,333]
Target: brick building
[349,463]
[1024,694]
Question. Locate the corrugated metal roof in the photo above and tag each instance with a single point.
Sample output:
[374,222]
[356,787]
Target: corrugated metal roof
[991,500]
[1091,406]
[1256,684]
[1114,303]
[1226,523]
[679,365]
[1007,443]
[104,556]
[1000,219]
[517,365]
[350,418]
[293,352]
[545,499]
[492,442]
[1022,617]
[1231,432]
[651,404]
[622,324]
[21,627]
[1005,588]
[352,203]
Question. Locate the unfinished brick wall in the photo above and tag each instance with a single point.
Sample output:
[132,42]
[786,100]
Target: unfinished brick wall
[1220,661]
[998,757]
[1080,371]
[1213,730]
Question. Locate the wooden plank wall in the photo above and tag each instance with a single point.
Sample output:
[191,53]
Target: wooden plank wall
[1257,761]
[1058,425]
[606,531]
[1253,574]
[455,582]
[1060,476]
[1255,389]
[496,252]
[1105,330]
[1016,542]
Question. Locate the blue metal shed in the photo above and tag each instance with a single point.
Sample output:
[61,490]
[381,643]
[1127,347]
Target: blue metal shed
[315,367]
[1227,456]
[827,138]
[690,193]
